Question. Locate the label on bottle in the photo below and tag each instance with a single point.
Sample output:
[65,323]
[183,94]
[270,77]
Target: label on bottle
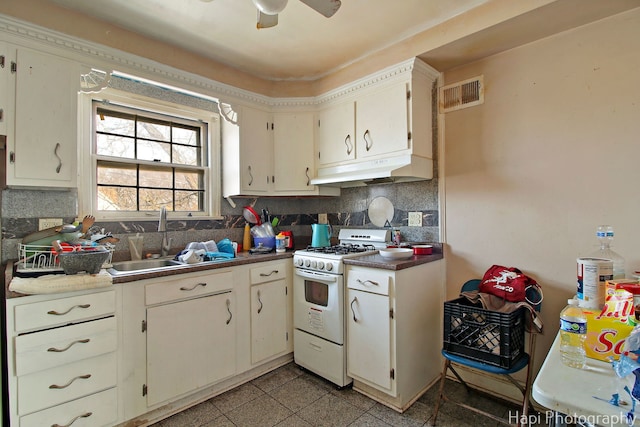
[573,327]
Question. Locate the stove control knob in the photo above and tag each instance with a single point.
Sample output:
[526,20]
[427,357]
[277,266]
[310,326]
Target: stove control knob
[329,266]
[320,265]
[314,264]
[300,261]
[307,263]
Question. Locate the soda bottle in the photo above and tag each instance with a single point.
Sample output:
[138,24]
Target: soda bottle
[573,332]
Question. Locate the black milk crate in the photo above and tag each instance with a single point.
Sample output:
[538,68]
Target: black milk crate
[483,335]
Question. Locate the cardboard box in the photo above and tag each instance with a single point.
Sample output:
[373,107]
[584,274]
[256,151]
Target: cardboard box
[607,329]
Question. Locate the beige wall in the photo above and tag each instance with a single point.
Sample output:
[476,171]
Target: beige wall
[553,152]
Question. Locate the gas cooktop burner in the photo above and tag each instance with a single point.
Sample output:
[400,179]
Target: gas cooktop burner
[341,249]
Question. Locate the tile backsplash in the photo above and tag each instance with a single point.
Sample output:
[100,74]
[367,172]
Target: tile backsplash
[22,208]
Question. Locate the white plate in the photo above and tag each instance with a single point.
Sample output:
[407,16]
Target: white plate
[396,253]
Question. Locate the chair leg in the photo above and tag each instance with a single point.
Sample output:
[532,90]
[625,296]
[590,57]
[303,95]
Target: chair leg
[443,378]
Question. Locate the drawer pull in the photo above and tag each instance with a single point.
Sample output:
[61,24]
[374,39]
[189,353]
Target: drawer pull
[367,281]
[184,288]
[61,350]
[85,415]
[269,274]
[79,377]
[57,313]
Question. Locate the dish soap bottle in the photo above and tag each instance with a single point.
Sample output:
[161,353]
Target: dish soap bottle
[246,241]
[605,237]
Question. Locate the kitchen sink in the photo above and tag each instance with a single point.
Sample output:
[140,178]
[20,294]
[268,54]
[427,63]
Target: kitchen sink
[147,265]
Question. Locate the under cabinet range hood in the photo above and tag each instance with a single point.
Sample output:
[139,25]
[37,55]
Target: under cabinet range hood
[404,168]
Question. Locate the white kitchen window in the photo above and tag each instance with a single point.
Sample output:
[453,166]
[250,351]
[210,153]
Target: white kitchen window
[146,153]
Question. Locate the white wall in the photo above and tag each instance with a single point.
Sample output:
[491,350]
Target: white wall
[553,152]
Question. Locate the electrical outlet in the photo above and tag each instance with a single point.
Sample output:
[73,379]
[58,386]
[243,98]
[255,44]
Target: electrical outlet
[415,219]
[322,218]
[44,223]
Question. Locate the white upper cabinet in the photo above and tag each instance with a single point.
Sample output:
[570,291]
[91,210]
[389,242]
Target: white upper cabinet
[269,154]
[336,133]
[41,118]
[5,99]
[247,153]
[382,121]
[293,152]
[387,114]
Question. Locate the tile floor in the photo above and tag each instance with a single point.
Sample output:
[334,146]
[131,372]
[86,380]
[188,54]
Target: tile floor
[290,396]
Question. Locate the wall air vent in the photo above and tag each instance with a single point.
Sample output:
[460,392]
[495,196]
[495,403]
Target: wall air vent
[463,94]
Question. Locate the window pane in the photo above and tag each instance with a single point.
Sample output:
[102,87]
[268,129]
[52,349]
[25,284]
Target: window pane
[153,200]
[189,201]
[158,178]
[114,122]
[117,199]
[153,129]
[186,136]
[186,155]
[117,146]
[189,180]
[111,174]
[154,151]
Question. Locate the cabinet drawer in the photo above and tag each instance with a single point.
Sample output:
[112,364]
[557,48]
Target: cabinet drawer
[54,347]
[44,389]
[188,287]
[100,409]
[268,273]
[369,280]
[61,311]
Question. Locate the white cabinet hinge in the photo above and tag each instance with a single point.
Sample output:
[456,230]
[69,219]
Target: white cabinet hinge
[408,94]
[144,326]
[391,313]
[392,374]
[286,334]
[14,67]
[144,389]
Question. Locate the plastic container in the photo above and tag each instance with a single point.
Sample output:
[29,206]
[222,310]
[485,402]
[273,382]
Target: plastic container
[604,233]
[573,332]
[487,336]
[281,243]
[265,242]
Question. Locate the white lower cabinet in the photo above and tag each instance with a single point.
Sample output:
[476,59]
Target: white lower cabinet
[394,320]
[269,300]
[190,344]
[62,352]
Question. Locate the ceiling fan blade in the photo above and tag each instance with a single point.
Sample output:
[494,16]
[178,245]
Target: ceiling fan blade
[324,7]
[266,21]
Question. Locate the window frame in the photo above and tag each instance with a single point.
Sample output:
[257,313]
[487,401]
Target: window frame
[87,180]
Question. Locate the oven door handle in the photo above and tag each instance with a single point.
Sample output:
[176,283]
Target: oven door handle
[316,276]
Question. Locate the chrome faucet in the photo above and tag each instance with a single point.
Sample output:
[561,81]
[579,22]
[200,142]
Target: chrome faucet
[165,246]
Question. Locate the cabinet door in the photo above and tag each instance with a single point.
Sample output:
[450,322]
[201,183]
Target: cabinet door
[256,150]
[42,149]
[369,338]
[5,98]
[335,134]
[382,121]
[268,320]
[293,150]
[190,344]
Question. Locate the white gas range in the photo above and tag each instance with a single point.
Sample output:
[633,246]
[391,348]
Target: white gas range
[319,295]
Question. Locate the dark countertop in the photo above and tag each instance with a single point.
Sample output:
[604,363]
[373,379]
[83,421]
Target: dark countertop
[242,259]
[377,261]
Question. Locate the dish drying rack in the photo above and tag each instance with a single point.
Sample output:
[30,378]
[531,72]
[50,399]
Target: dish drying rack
[42,259]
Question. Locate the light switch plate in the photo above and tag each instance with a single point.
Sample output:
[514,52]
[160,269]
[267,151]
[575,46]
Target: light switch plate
[44,223]
[322,218]
[415,219]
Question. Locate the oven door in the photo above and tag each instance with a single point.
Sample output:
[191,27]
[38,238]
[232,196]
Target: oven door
[318,304]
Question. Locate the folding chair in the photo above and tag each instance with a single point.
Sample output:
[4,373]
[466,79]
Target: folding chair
[524,361]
